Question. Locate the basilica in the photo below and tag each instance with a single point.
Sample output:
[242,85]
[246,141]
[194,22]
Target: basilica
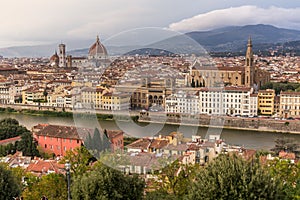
[201,75]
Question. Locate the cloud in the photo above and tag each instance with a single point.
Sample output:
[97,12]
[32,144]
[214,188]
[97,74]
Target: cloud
[238,16]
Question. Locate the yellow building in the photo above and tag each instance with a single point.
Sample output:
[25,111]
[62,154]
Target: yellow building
[115,101]
[33,95]
[266,100]
[289,104]
[92,97]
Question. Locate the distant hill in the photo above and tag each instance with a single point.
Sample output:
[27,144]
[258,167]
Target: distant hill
[227,39]
[150,52]
[233,39]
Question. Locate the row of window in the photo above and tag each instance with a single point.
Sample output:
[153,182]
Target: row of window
[57,147]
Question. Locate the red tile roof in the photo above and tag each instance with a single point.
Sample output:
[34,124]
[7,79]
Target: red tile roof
[10,140]
[286,155]
[43,166]
[68,132]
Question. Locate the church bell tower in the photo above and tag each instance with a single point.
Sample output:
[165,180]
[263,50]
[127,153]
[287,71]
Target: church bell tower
[249,66]
[62,55]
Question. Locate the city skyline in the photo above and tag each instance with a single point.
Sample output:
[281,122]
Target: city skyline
[33,23]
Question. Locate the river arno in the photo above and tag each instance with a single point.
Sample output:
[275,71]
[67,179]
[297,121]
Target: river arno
[248,139]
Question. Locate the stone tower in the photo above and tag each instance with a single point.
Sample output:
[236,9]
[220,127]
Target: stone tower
[62,55]
[249,66]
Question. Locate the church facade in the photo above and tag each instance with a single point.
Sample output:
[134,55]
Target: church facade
[210,76]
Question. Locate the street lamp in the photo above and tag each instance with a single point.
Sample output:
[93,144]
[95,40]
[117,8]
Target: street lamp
[68,167]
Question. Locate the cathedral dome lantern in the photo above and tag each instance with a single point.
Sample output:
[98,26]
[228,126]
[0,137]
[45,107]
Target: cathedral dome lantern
[97,50]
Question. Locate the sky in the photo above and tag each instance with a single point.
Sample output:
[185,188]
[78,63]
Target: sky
[33,22]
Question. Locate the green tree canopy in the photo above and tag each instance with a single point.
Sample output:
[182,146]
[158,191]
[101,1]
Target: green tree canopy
[27,145]
[289,174]
[80,159]
[278,87]
[231,177]
[174,179]
[9,185]
[106,183]
[10,128]
[53,186]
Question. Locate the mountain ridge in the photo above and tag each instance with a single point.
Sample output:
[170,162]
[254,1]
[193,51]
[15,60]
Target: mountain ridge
[226,39]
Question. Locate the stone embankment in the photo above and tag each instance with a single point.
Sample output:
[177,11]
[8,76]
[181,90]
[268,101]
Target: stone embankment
[254,124]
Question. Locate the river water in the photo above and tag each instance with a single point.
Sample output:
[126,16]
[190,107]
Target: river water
[248,139]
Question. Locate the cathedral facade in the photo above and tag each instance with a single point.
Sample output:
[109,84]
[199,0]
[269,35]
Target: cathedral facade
[97,56]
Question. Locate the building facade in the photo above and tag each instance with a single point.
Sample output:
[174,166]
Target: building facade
[60,139]
[266,100]
[228,101]
[182,102]
[205,75]
[289,104]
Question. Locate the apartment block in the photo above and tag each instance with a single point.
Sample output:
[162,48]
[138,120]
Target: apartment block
[266,101]
[289,104]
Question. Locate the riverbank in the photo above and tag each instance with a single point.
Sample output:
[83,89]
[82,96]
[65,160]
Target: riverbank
[230,123]
[224,122]
[249,139]
[49,113]
[219,127]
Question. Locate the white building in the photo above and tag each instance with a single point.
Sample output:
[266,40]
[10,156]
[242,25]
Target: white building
[228,101]
[182,102]
[4,92]
[15,93]
[289,104]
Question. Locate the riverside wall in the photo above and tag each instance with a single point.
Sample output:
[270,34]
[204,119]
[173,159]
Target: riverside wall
[253,124]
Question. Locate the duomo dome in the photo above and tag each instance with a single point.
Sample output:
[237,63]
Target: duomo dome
[97,50]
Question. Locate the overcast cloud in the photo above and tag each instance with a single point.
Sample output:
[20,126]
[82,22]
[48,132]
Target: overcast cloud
[238,16]
[34,22]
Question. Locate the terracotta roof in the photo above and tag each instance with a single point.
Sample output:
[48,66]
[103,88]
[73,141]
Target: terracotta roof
[10,140]
[44,166]
[224,89]
[54,57]
[290,93]
[158,143]
[178,147]
[97,48]
[286,155]
[68,132]
[149,160]
[114,133]
[142,143]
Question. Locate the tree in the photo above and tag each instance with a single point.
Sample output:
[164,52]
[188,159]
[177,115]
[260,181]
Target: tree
[27,145]
[285,144]
[106,183]
[9,121]
[52,186]
[174,179]
[80,159]
[289,174]
[8,149]
[9,185]
[10,128]
[98,143]
[232,177]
